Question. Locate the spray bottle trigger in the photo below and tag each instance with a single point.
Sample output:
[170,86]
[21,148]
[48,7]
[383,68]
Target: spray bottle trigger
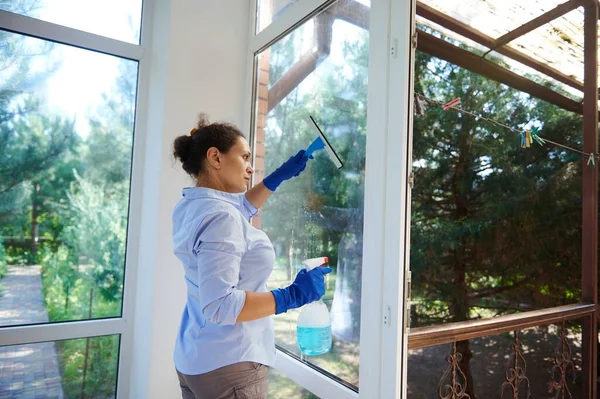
[310,264]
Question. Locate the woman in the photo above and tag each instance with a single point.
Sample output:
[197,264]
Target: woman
[226,338]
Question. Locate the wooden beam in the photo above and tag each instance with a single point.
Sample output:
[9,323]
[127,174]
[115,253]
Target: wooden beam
[590,201]
[307,63]
[352,12]
[441,49]
[465,30]
[292,78]
[454,25]
[535,23]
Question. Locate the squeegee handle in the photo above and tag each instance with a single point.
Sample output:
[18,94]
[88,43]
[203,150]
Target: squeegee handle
[315,146]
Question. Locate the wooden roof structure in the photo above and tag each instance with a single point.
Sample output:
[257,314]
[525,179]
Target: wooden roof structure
[536,46]
[533,37]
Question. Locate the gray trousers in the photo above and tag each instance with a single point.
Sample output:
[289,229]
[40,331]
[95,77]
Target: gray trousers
[245,380]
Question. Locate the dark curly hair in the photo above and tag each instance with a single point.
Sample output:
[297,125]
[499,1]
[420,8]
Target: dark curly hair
[191,148]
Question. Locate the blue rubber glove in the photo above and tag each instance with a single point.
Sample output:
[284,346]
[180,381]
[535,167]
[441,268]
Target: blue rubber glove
[290,168]
[306,288]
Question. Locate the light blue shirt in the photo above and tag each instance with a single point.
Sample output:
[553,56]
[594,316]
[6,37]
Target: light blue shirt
[223,256]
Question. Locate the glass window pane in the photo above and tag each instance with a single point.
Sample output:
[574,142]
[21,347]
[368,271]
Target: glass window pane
[268,11]
[66,133]
[76,368]
[320,69]
[495,228]
[117,19]
[491,359]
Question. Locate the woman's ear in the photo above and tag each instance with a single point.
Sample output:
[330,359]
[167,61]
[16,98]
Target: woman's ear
[213,156]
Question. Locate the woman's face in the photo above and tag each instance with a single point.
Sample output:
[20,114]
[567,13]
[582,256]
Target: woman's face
[236,168]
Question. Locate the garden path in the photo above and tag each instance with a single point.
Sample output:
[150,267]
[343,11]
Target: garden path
[28,371]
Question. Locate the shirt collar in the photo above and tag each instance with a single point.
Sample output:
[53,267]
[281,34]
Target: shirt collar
[203,192]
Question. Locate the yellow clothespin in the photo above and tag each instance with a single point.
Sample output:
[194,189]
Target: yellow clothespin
[528,139]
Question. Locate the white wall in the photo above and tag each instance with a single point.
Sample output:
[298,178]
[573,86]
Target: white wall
[198,63]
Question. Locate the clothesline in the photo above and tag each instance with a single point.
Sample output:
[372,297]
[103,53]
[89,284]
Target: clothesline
[419,107]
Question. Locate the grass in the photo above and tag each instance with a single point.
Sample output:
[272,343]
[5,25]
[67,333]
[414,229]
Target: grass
[100,368]
[74,304]
[76,297]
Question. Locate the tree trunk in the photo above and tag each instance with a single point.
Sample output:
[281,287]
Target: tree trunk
[67,289]
[34,221]
[461,187]
[464,348]
[460,312]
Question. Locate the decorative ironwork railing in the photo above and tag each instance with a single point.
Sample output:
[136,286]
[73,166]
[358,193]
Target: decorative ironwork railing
[454,382]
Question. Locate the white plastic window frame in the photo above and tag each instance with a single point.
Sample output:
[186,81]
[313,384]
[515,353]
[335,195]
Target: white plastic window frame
[122,326]
[383,344]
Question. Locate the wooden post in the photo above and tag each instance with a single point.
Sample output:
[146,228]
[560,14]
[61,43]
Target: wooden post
[590,200]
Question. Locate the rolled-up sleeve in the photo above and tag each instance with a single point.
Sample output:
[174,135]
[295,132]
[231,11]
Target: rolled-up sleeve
[219,249]
[249,210]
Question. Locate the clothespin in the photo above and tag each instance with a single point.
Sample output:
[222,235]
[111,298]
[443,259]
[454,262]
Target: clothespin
[528,139]
[592,160]
[451,104]
[523,140]
[535,136]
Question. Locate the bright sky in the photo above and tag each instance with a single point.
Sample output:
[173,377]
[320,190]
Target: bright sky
[75,89]
[342,32]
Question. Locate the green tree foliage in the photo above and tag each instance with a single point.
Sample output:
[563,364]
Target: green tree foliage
[99,233]
[94,201]
[495,228]
[100,369]
[60,274]
[110,143]
[32,142]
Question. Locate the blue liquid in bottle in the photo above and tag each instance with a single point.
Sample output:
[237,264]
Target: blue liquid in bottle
[314,340]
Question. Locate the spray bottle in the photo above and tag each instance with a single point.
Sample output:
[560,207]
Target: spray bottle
[314,323]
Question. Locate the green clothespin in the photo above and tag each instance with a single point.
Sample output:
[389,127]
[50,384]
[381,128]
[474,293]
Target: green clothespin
[535,136]
[592,160]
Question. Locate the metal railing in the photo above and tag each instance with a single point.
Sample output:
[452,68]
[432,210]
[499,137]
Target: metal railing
[453,384]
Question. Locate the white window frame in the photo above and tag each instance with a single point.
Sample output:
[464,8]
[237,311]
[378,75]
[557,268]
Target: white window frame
[383,344]
[122,326]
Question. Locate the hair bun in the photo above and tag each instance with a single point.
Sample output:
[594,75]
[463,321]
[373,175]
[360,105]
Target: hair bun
[182,148]
[191,149]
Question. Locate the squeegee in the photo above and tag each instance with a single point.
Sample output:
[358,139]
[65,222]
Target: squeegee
[321,143]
